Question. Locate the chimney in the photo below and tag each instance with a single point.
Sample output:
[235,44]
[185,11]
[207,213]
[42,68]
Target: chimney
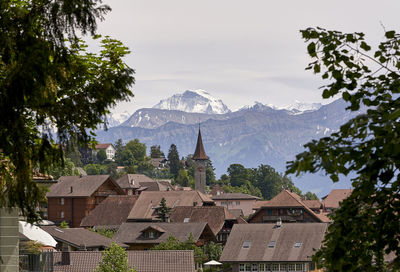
[65,256]
[71,190]
[278,223]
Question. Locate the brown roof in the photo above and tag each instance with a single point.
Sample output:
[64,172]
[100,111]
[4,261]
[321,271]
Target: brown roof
[334,198]
[81,186]
[156,186]
[132,232]
[215,216]
[199,153]
[111,212]
[236,212]
[133,180]
[310,235]
[234,196]
[102,146]
[260,203]
[144,209]
[288,199]
[142,261]
[79,237]
[313,204]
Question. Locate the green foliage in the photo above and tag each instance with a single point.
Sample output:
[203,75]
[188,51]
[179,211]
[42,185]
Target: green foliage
[64,225]
[213,251]
[114,259]
[246,188]
[238,174]
[101,156]
[105,232]
[163,211]
[173,243]
[130,154]
[183,178]
[63,169]
[48,80]
[174,162]
[367,224]
[33,247]
[155,152]
[95,169]
[311,196]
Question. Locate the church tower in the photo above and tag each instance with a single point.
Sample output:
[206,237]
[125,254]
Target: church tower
[200,158]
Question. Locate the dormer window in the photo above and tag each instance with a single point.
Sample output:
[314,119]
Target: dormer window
[297,245]
[246,244]
[272,244]
[151,235]
[186,220]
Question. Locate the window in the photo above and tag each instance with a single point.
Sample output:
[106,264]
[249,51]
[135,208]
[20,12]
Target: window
[186,220]
[248,267]
[311,266]
[283,267]
[299,267]
[241,267]
[269,212]
[297,245]
[267,267]
[254,267]
[61,214]
[272,244]
[275,267]
[261,267]
[246,244]
[292,267]
[62,201]
[237,203]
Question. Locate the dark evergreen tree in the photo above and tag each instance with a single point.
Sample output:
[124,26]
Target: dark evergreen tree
[163,211]
[155,152]
[174,162]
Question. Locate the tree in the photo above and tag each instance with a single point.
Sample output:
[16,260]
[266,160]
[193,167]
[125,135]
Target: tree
[238,174]
[155,152]
[66,169]
[367,225]
[183,178]
[114,259]
[213,251]
[163,211]
[311,196]
[174,162]
[101,156]
[48,81]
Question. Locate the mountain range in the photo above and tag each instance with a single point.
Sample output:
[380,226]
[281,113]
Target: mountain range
[253,135]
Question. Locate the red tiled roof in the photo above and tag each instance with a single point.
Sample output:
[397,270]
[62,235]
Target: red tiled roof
[111,212]
[142,261]
[102,146]
[334,198]
[313,204]
[234,196]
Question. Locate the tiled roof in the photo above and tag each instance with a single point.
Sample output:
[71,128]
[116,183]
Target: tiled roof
[79,237]
[215,216]
[236,212]
[313,204]
[102,146]
[199,153]
[81,186]
[111,212]
[156,186]
[132,180]
[145,206]
[234,196]
[142,261]
[335,197]
[310,235]
[288,199]
[131,232]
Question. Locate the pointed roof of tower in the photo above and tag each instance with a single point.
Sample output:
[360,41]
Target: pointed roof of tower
[200,153]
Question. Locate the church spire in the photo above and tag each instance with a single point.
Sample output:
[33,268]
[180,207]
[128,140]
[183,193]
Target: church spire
[200,153]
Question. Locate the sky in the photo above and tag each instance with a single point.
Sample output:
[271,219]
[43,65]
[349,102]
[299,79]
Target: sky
[238,51]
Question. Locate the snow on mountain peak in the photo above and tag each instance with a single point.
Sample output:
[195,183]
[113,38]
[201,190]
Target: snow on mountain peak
[299,107]
[197,101]
[115,119]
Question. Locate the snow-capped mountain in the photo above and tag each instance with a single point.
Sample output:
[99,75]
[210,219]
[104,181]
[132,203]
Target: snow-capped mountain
[115,119]
[299,107]
[195,101]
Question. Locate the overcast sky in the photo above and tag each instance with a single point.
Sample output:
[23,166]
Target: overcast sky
[238,51]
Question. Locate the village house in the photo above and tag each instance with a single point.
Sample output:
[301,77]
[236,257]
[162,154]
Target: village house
[145,235]
[159,163]
[73,197]
[110,213]
[72,239]
[218,218]
[134,184]
[332,201]
[286,207]
[108,148]
[241,201]
[142,261]
[146,207]
[273,247]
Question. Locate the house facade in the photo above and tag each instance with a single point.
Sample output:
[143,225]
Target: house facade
[73,197]
[108,148]
[240,201]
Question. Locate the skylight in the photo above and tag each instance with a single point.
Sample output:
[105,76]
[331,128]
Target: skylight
[272,244]
[186,220]
[246,244]
[297,244]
